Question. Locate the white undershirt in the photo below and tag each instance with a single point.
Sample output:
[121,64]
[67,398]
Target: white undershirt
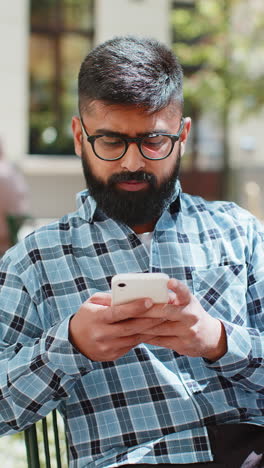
[146,238]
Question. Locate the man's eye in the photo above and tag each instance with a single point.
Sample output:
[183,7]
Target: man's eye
[110,141]
[154,142]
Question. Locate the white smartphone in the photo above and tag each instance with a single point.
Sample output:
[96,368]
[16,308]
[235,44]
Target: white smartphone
[127,287]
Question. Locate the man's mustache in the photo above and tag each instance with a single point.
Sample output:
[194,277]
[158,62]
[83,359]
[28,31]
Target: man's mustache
[128,176]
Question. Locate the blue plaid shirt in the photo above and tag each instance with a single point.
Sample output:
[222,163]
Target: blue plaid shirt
[151,405]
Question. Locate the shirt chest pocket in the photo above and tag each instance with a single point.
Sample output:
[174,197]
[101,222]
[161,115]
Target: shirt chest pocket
[222,291]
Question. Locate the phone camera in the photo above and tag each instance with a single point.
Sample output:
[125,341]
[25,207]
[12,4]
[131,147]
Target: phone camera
[121,285]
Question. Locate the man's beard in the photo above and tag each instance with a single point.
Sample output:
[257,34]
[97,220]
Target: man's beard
[131,207]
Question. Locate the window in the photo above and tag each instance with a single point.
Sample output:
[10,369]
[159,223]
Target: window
[61,36]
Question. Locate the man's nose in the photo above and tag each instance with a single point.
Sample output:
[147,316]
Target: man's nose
[133,159]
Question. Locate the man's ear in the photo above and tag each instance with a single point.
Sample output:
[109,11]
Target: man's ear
[77,135]
[185,133]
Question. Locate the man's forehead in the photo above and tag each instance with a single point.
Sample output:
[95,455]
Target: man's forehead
[99,108]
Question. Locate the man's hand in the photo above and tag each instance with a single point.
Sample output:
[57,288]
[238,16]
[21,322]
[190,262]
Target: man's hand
[104,333]
[188,329]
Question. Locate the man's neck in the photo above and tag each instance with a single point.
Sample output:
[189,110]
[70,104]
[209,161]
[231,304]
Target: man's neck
[141,228]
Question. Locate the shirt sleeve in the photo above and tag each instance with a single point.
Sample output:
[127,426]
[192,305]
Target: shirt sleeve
[38,367]
[244,361]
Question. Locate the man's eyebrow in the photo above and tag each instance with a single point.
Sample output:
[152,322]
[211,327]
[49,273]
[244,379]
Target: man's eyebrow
[105,131]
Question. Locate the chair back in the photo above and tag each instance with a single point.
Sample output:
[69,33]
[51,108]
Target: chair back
[46,443]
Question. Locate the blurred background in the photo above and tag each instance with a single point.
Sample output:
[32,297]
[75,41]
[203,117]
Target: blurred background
[220,44]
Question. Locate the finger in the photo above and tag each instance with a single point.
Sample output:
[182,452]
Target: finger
[172,297]
[134,326]
[125,347]
[170,342]
[165,311]
[124,344]
[127,311]
[128,342]
[183,295]
[166,328]
[100,298]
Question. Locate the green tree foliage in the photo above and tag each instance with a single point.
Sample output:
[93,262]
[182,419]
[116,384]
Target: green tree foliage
[219,42]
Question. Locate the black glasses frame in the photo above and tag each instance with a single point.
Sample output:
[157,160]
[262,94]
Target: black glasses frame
[138,140]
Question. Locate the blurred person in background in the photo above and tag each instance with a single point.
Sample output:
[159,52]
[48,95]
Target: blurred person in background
[177,384]
[14,204]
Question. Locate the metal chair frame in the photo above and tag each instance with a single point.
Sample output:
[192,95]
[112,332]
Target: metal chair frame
[32,444]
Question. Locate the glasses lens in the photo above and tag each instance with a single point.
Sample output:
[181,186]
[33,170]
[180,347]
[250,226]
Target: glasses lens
[109,147]
[156,146]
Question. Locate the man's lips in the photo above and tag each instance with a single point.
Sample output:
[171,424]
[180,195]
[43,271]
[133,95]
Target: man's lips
[133,185]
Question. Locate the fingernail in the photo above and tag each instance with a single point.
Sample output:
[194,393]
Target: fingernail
[148,303]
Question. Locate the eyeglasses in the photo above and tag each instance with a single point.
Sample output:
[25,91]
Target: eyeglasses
[154,146]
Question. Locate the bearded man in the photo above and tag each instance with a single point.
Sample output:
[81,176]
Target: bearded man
[177,384]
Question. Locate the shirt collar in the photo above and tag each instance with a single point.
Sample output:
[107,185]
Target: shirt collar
[86,205]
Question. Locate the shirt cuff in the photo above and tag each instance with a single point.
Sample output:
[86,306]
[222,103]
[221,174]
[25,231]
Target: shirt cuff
[239,351]
[61,354]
